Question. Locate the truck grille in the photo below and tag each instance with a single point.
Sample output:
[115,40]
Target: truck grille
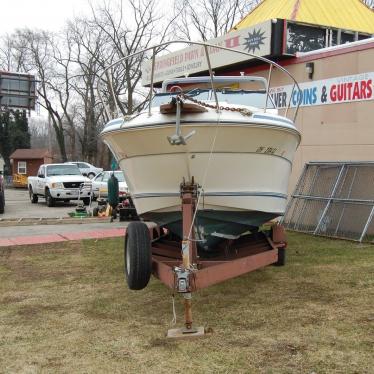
[72,184]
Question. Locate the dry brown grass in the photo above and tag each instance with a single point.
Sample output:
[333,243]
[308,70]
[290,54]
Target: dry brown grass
[65,309]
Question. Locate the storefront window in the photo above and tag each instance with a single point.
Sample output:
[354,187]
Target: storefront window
[334,37]
[302,38]
[347,37]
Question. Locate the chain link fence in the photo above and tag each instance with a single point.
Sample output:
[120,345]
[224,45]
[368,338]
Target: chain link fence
[334,199]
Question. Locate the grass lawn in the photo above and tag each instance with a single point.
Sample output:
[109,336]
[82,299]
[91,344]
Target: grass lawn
[64,308]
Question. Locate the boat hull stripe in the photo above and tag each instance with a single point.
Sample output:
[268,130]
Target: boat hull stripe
[235,194]
[267,118]
[202,123]
[206,152]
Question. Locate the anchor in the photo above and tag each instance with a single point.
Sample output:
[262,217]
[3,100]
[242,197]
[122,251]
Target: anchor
[178,138]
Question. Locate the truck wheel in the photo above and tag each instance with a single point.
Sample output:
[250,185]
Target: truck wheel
[91,175]
[49,199]
[137,254]
[2,203]
[33,197]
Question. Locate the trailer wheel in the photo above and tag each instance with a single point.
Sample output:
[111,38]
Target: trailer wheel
[281,257]
[33,197]
[137,255]
[49,199]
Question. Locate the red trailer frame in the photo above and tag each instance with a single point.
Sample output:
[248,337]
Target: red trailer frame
[180,268]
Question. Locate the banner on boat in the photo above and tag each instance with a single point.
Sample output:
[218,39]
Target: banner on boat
[337,90]
[255,40]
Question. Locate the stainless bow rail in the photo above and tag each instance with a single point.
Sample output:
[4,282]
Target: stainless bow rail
[161,46]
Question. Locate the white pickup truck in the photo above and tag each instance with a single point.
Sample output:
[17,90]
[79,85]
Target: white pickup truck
[59,182]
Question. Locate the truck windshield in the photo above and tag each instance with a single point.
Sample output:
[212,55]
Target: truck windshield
[53,170]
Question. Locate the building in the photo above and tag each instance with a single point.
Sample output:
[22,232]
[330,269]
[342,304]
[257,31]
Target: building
[26,162]
[337,103]
[327,45]
[337,100]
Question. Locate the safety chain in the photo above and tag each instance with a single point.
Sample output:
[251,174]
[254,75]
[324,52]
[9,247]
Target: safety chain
[243,111]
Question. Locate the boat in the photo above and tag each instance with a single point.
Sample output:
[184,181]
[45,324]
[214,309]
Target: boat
[208,162]
[224,134]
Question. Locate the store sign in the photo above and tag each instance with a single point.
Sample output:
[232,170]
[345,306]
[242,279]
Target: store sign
[337,90]
[17,90]
[255,40]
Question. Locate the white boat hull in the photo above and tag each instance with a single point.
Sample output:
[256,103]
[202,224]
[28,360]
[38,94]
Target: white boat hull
[242,164]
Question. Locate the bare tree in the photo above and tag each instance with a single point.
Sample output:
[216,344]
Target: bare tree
[207,19]
[11,58]
[39,132]
[68,65]
[90,47]
[37,47]
[129,33]
[63,84]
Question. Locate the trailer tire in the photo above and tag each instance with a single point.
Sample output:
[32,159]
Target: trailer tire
[281,257]
[49,199]
[33,197]
[137,255]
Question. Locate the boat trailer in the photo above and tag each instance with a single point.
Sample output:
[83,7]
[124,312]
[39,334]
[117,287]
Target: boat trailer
[178,265]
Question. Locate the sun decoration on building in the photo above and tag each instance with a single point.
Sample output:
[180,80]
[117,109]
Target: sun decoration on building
[254,40]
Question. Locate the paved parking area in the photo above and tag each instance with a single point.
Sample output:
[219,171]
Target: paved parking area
[18,205]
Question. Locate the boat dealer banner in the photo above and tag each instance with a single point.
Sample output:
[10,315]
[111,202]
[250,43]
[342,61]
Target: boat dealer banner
[345,89]
[255,40]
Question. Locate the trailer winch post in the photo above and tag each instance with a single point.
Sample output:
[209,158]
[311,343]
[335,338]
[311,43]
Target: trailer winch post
[185,284]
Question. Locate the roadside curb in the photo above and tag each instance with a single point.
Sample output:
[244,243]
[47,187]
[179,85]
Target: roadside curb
[6,222]
[56,238]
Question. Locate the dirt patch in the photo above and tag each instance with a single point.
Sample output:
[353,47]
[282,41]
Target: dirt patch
[10,299]
[35,310]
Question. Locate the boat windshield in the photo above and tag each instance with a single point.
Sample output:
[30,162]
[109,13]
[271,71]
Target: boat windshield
[165,97]
[253,98]
[245,97]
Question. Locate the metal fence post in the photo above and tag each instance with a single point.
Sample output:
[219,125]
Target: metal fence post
[349,195]
[305,202]
[329,201]
[301,179]
[367,224]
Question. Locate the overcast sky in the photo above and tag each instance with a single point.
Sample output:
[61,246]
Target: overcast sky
[43,14]
[47,14]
